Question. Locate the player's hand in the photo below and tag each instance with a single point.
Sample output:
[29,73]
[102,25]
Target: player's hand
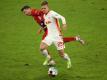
[64,26]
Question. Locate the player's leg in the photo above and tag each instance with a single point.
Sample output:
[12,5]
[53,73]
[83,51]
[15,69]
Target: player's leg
[46,41]
[69,39]
[76,38]
[66,57]
[43,48]
[45,52]
[60,47]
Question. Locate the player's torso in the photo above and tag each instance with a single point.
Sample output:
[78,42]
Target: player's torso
[52,24]
[38,18]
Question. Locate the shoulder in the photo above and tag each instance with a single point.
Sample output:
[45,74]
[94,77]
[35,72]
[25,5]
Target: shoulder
[33,11]
[52,12]
[36,12]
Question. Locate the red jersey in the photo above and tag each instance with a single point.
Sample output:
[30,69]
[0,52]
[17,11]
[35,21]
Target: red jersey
[37,15]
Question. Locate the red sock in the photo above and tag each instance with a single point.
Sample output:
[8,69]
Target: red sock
[69,39]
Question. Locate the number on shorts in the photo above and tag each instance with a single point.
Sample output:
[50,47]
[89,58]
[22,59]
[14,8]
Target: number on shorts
[60,44]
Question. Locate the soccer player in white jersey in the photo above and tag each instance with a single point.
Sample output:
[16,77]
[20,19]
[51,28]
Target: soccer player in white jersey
[54,35]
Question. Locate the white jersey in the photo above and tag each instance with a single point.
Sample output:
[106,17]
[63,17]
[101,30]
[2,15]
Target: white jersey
[52,23]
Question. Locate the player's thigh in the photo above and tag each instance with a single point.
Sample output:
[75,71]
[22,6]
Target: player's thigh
[46,42]
[43,45]
[59,45]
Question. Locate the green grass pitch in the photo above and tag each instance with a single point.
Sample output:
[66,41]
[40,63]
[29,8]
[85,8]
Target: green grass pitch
[20,58]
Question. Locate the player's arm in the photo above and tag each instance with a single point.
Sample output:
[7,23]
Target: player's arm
[58,16]
[39,31]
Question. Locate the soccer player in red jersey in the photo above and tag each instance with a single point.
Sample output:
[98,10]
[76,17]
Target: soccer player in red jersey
[38,17]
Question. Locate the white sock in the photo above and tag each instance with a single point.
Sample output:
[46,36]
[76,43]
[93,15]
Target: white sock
[66,57]
[77,38]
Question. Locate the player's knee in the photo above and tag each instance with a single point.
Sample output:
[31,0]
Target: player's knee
[61,54]
[42,48]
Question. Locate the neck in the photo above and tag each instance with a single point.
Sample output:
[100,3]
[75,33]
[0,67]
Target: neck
[47,12]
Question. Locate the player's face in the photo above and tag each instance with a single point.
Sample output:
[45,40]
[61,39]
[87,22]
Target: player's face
[45,9]
[27,11]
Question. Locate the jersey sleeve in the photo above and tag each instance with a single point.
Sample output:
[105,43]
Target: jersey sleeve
[58,16]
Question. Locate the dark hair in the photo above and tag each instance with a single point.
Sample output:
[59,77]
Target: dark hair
[25,7]
[44,3]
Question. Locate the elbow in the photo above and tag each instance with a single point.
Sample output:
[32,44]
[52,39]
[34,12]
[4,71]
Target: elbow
[63,20]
